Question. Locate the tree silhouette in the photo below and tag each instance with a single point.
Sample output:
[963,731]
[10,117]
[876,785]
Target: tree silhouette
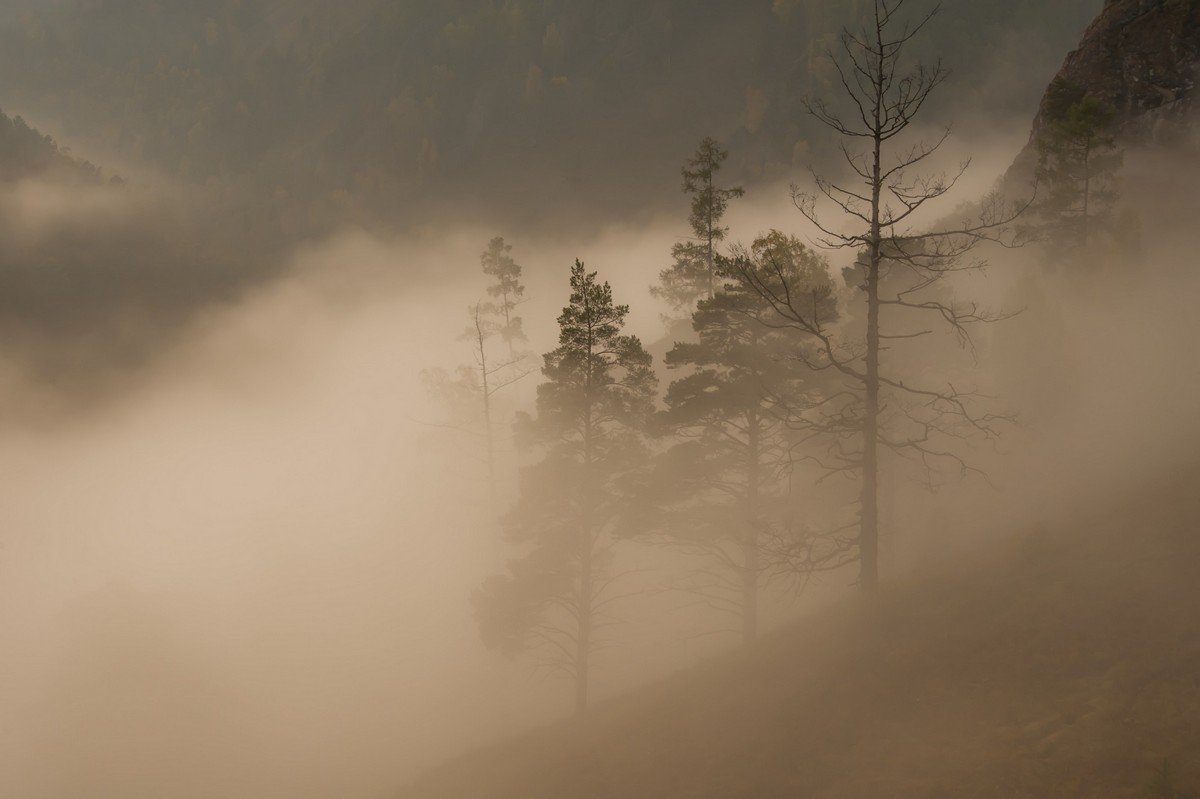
[507,292]
[692,274]
[722,488]
[468,395]
[1078,160]
[901,271]
[591,411]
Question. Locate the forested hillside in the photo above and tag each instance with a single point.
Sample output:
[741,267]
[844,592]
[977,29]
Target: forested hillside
[382,380]
[355,110]
[28,153]
[1057,660]
[87,262]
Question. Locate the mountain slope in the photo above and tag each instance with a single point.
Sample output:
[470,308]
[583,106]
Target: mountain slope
[97,274]
[1142,57]
[1068,666]
[521,105]
[28,153]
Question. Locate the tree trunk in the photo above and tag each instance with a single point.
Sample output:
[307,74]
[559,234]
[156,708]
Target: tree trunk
[1087,195]
[512,351]
[712,258]
[869,526]
[583,637]
[491,446]
[487,410]
[583,640]
[868,542]
[750,558]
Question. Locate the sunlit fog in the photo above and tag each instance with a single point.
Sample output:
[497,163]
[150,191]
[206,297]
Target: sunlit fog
[589,400]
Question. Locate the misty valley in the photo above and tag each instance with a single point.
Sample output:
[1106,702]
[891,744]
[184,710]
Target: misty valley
[595,400]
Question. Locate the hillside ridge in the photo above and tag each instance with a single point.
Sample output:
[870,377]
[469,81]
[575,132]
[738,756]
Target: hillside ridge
[26,152]
[1064,663]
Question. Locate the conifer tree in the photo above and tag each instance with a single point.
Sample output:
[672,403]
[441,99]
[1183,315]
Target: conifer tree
[692,274]
[590,414]
[1078,161]
[723,488]
[507,293]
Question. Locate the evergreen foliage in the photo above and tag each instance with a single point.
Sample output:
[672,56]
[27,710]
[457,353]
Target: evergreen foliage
[722,485]
[692,274]
[1078,164]
[507,292]
[592,410]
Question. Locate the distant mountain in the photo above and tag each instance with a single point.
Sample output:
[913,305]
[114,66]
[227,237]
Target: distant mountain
[367,109]
[95,274]
[292,118]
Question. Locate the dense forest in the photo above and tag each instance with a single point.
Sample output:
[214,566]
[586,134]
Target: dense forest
[350,113]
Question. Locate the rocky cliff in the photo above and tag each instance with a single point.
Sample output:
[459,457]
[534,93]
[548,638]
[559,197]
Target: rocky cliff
[1143,58]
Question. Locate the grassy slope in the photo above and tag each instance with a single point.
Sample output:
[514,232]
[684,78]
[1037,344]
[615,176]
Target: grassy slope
[1066,666]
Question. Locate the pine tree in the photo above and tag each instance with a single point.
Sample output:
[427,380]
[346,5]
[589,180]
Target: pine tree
[591,411]
[507,292]
[1078,164]
[723,487]
[692,275]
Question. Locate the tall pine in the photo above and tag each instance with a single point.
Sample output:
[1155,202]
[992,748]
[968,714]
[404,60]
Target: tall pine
[722,487]
[692,274]
[507,292]
[591,412]
[1078,161]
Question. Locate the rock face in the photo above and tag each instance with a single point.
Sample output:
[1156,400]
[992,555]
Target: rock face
[1142,57]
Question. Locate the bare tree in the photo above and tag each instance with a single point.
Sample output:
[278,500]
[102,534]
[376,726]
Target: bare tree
[469,394]
[901,270]
[493,378]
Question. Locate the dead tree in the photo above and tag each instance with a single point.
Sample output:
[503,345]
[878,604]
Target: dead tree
[901,270]
[493,378]
[469,395]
